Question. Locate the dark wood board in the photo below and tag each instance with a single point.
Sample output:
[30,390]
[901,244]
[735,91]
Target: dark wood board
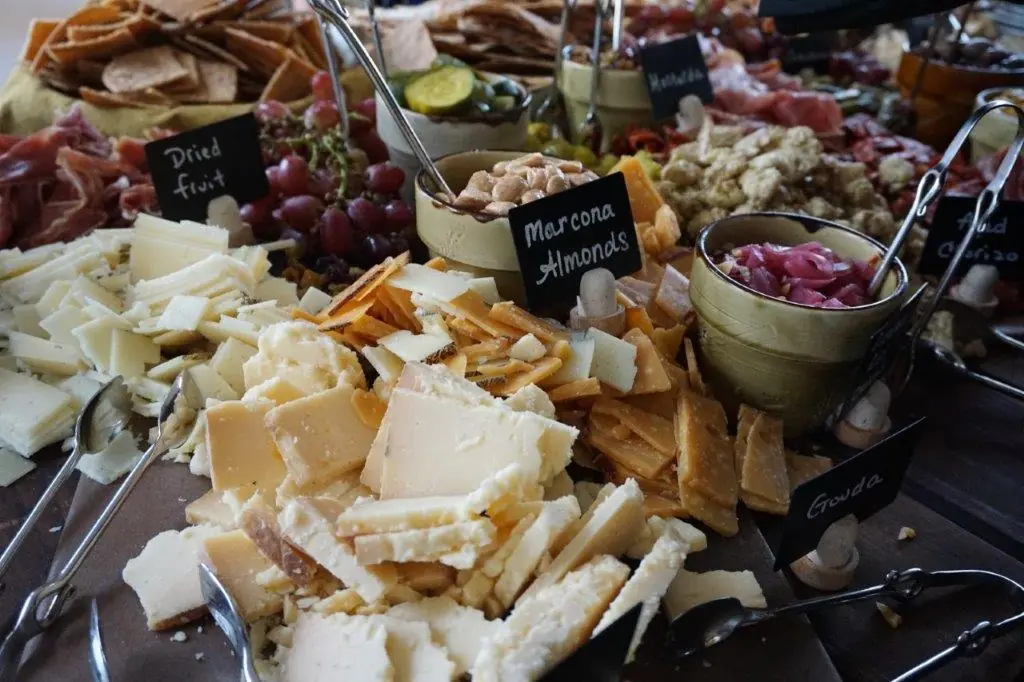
[158,504]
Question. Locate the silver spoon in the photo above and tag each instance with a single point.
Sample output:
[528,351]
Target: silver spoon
[552,107]
[51,597]
[97,658]
[229,619]
[950,360]
[589,132]
[104,416]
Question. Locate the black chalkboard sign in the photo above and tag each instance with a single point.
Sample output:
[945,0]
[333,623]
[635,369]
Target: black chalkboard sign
[562,236]
[811,51]
[862,486]
[884,349]
[672,71]
[193,168]
[1001,245]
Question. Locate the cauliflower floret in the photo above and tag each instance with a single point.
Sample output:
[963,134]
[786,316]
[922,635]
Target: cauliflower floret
[725,165]
[875,223]
[819,208]
[682,173]
[758,141]
[760,185]
[802,137]
[687,202]
[687,152]
[725,194]
[895,172]
[845,173]
[860,193]
[702,219]
[726,136]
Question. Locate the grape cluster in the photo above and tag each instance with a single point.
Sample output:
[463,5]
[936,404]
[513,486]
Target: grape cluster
[337,198]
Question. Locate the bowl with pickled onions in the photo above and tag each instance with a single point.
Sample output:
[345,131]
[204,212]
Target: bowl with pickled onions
[784,313]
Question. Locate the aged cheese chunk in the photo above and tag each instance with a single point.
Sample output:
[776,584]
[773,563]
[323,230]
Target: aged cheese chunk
[328,648]
[419,279]
[651,376]
[165,576]
[611,529]
[236,561]
[614,360]
[720,518]
[764,468]
[426,577]
[528,349]
[644,199]
[320,436]
[276,391]
[560,486]
[801,468]
[692,538]
[461,630]
[744,422]
[306,527]
[469,443]
[388,516]
[512,315]
[242,452]
[633,453]
[211,509]
[424,544]
[646,586]
[657,431]
[546,627]
[184,313]
[530,398]
[413,653]
[228,361]
[258,520]
[692,589]
[313,301]
[302,355]
[554,519]
[706,460]
[411,347]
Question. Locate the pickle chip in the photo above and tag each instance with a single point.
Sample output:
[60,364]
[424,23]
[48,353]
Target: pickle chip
[441,91]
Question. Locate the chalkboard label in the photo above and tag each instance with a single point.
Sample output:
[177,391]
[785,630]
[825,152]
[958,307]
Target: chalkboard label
[884,349]
[672,71]
[191,169]
[562,236]
[862,486]
[1001,244]
[811,51]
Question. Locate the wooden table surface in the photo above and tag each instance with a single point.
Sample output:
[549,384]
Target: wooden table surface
[972,445]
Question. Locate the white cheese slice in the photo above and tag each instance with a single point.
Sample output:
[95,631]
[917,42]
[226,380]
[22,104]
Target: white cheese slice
[170,369]
[13,466]
[165,577]
[578,365]
[60,325]
[461,630]
[487,287]
[277,289]
[614,361]
[388,365]
[692,589]
[45,356]
[531,398]
[313,301]
[228,360]
[414,347]
[328,648]
[184,313]
[26,320]
[528,349]
[81,388]
[113,461]
[84,291]
[130,353]
[276,391]
[425,281]
[15,261]
[96,338]
[161,247]
[424,544]
[414,655]
[51,299]
[434,324]
[387,516]
[210,384]
[29,286]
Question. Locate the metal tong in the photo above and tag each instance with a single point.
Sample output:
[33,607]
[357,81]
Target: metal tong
[44,605]
[590,132]
[335,14]
[714,621]
[552,108]
[929,190]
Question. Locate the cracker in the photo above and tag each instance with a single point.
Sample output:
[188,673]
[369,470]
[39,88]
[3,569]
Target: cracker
[290,82]
[307,32]
[39,32]
[218,84]
[67,53]
[262,56]
[108,100]
[208,49]
[143,69]
[182,10]
[226,10]
[91,14]
[192,81]
[276,31]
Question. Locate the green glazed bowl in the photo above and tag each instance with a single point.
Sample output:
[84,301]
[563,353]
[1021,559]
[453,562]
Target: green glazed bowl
[795,361]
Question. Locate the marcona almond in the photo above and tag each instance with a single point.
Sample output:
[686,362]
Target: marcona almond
[537,178]
[481,180]
[509,188]
[570,166]
[532,195]
[556,184]
[472,199]
[499,207]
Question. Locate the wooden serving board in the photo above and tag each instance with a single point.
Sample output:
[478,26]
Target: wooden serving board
[782,650]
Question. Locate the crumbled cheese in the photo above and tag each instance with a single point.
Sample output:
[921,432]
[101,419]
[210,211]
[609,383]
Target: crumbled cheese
[179,636]
[891,617]
[906,533]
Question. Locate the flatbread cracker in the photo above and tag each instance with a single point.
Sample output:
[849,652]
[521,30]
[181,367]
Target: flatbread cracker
[142,69]
[290,82]
[218,84]
[262,56]
[208,50]
[276,31]
[182,10]
[39,32]
[91,14]
[118,42]
[192,81]
[108,100]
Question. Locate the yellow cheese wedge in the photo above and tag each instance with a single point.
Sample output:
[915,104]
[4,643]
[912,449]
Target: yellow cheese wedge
[242,453]
[258,519]
[211,509]
[706,460]
[764,467]
[651,376]
[236,561]
[715,516]
[656,430]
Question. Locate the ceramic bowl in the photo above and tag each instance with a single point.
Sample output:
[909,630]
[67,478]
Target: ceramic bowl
[444,135]
[475,242]
[621,99]
[795,361]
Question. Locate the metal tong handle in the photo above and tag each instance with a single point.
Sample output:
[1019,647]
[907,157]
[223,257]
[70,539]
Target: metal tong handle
[932,184]
[334,13]
[591,125]
[991,382]
[334,69]
[548,108]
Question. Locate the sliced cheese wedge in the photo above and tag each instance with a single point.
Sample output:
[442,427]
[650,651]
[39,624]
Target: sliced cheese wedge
[426,544]
[692,589]
[461,630]
[328,648]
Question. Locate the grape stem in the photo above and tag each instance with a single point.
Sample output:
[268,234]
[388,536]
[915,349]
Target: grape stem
[328,148]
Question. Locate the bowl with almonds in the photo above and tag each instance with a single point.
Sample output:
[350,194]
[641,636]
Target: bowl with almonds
[784,314]
[472,228]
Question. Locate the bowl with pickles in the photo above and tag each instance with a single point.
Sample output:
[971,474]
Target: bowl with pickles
[453,108]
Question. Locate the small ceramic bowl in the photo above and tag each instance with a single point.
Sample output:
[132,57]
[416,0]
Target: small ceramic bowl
[621,99]
[444,135]
[792,360]
[475,242]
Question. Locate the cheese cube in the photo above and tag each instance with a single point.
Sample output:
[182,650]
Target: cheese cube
[320,436]
[241,449]
[459,629]
[306,527]
[328,648]
[528,349]
[692,589]
[228,361]
[424,544]
[165,577]
[578,366]
[313,301]
[184,313]
[414,655]
[411,347]
[614,360]
[236,561]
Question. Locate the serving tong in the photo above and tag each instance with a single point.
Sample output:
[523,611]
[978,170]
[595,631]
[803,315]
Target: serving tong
[929,189]
[714,621]
[552,108]
[590,132]
[44,605]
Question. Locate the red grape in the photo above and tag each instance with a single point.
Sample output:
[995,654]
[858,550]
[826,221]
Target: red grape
[366,215]
[397,215]
[293,176]
[322,182]
[323,87]
[322,115]
[336,234]
[376,248]
[358,124]
[376,150]
[258,212]
[274,180]
[368,108]
[271,110]
[384,178]
[301,213]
